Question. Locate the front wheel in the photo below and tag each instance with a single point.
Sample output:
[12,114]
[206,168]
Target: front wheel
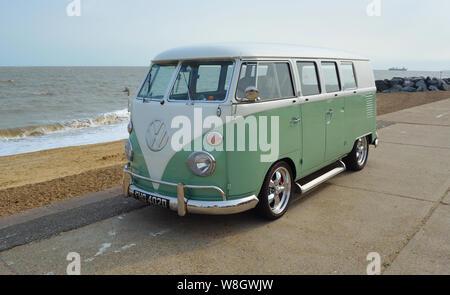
[357,159]
[276,191]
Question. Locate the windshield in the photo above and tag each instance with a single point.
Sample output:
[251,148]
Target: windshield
[157,82]
[202,81]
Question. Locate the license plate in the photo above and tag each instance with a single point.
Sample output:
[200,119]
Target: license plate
[150,199]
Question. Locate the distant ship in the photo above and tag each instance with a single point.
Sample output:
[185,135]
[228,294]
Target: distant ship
[398,69]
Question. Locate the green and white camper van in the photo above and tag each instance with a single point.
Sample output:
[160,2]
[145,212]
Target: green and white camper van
[225,128]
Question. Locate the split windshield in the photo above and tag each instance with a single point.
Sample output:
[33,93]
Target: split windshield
[157,82]
[196,81]
[202,81]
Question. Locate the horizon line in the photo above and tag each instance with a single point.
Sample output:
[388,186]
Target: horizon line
[129,66]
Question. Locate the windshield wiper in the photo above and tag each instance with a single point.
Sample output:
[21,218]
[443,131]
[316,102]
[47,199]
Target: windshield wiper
[187,85]
[148,87]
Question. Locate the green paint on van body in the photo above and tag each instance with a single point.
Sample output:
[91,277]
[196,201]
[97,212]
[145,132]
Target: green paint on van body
[320,139]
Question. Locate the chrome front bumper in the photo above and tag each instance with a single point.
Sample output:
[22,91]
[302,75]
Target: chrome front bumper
[183,205]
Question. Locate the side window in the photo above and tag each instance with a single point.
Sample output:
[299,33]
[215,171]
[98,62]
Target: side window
[331,76]
[247,78]
[208,77]
[348,75]
[309,78]
[285,80]
[274,81]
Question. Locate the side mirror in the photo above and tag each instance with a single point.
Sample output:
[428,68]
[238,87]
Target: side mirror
[251,93]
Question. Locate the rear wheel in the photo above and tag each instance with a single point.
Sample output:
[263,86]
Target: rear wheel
[276,191]
[357,159]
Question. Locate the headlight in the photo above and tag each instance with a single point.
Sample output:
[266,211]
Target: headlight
[129,151]
[201,163]
[130,127]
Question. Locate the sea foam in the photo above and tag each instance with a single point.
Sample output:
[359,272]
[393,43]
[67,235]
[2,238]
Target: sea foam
[74,137]
[105,119]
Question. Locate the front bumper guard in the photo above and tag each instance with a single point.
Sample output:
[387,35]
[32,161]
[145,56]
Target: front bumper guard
[183,205]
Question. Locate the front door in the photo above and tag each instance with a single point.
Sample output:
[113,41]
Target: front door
[272,124]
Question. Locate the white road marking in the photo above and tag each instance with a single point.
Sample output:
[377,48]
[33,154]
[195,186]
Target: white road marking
[159,233]
[441,115]
[102,249]
[128,246]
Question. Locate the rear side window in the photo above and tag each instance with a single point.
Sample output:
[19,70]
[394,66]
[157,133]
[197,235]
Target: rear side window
[348,75]
[309,78]
[331,76]
[273,80]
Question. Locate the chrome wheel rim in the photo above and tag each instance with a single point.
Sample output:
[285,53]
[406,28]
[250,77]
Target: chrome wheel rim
[279,190]
[361,151]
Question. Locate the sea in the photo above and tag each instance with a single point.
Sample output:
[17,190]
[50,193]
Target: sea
[52,107]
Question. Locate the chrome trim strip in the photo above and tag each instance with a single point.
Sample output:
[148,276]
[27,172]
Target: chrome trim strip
[322,178]
[222,208]
[207,207]
[210,187]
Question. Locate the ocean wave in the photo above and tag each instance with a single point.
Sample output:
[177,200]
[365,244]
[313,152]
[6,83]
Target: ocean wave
[100,120]
[7,81]
[45,93]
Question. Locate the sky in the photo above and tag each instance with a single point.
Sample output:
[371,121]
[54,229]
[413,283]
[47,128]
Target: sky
[411,33]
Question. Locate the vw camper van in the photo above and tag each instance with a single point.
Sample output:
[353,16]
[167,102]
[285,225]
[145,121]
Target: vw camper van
[226,128]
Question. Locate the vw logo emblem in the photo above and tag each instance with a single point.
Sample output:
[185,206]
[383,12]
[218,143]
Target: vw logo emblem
[157,137]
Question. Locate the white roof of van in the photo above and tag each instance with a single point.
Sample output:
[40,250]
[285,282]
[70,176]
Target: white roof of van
[245,50]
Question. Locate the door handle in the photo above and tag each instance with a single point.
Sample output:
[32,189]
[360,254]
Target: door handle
[296,120]
[330,113]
